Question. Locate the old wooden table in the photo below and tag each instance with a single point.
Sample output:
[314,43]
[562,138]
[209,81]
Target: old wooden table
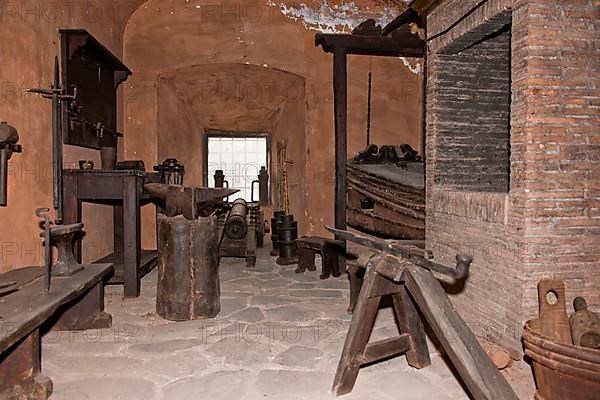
[124,191]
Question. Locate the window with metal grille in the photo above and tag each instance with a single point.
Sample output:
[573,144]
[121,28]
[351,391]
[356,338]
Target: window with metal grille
[240,157]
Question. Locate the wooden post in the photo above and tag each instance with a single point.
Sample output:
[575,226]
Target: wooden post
[340,95]
[188,262]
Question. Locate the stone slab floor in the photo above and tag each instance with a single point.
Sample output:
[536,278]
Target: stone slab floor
[279,336]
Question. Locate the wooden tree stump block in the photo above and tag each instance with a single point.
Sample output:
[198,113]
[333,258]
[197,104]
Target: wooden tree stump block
[188,268]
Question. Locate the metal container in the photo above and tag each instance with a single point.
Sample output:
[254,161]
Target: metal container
[562,371]
[277,216]
[287,235]
[108,156]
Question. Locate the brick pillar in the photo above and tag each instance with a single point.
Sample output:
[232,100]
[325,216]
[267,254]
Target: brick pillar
[555,144]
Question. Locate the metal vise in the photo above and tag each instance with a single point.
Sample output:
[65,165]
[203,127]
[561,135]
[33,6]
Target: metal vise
[189,201]
[8,145]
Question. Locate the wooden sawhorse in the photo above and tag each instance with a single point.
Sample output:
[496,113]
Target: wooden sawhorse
[414,288]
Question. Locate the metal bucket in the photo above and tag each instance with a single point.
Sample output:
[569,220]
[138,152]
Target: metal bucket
[562,371]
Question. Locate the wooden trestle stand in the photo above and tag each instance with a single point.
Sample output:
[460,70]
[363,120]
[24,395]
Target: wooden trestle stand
[415,293]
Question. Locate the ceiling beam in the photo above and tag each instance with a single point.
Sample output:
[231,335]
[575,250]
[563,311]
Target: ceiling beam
[372,45]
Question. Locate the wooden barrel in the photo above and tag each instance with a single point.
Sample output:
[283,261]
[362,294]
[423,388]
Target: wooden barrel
[562,371]
[188,268]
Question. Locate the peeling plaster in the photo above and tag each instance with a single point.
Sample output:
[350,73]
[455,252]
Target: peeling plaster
[416,69]
[332,18]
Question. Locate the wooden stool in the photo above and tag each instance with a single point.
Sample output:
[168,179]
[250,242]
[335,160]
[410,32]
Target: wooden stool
[329,249]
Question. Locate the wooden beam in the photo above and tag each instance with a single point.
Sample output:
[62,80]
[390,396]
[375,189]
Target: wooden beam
[424,7]
[385,348]
[477,371]
[372,45]
[340,89]
[407,16]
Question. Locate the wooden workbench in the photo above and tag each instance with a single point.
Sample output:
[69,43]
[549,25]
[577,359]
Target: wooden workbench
[74,302]
[124,191]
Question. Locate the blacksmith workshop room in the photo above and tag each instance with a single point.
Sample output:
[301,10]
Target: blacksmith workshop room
[289,200]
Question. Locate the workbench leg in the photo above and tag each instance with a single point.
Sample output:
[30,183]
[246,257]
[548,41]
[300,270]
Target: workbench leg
[118,239]
[334,258]
[20,371]
[357,338]
[86,313]
[72,209]
[306,260]
[131,235]
[410,322]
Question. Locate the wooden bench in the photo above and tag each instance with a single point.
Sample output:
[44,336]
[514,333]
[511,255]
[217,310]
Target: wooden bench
[329,249]
[73,303]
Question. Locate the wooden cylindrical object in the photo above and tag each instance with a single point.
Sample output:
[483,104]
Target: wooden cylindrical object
[188,268]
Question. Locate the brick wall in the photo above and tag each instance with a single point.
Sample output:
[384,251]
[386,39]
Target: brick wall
[473,105]
[548,224]
[555,141]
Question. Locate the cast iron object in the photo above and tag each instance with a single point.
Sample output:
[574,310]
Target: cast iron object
[191,202]
[263,187]
[63,237]
[43,213]
[8,145]
[287,235]
[137,165]
[277,216]
[220,179]
[236,225]
[171,172]
[387,154]
[463,262]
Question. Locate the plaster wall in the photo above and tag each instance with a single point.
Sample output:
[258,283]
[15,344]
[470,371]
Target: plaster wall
[29,42]
[166,36]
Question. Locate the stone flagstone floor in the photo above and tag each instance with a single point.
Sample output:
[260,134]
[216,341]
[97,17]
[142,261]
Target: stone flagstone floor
[279,336]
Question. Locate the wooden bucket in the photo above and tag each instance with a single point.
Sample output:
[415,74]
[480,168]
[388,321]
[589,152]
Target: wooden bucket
[562,371]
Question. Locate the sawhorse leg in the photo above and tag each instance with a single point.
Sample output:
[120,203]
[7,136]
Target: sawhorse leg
[357,349]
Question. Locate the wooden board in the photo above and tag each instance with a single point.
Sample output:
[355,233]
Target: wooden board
[23,311]
[22,276]
[398,198]
[479,374]
[148,260]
